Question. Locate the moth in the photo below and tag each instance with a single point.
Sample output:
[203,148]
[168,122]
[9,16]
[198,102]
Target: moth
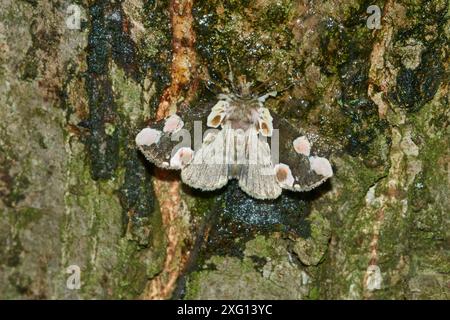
[236,137]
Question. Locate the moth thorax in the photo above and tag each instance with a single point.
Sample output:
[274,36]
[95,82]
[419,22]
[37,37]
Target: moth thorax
[243,115]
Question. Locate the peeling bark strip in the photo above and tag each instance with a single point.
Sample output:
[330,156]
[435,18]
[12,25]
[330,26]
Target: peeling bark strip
[168,192]
[390,208]
[184,57]
[378,74]
[379,81]
[162,286]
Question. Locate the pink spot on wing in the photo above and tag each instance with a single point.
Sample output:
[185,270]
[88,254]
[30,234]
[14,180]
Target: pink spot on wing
[147,137]
[283,175]
[173,124]
[181,158]
[302,146]
[321,166]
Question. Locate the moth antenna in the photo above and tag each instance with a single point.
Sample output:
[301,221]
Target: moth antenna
[213,86]
[287,87]
[268,92]
[265,86]
[231,76]
[208,84]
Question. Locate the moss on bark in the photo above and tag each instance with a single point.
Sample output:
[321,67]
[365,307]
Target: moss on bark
[74,190]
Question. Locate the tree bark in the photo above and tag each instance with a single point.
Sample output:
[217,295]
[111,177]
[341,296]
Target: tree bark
[76,193]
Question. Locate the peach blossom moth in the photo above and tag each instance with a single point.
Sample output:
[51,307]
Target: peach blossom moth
[236,146]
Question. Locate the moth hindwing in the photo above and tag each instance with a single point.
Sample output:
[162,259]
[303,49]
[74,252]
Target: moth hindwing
[236,138]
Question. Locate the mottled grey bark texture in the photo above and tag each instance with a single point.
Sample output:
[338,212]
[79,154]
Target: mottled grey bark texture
[74,190]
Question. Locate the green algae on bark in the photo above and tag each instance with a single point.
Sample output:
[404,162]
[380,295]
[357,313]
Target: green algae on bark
[54,213]
[75,191]
[231,278]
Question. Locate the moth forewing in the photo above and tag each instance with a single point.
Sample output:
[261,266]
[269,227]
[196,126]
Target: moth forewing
[273,149]
[186,140]
[253,144]
[208,170]
[169,130]
[229,147]
[298,151]
[252,178]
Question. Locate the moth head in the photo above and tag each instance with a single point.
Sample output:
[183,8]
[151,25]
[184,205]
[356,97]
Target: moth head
[244,88]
